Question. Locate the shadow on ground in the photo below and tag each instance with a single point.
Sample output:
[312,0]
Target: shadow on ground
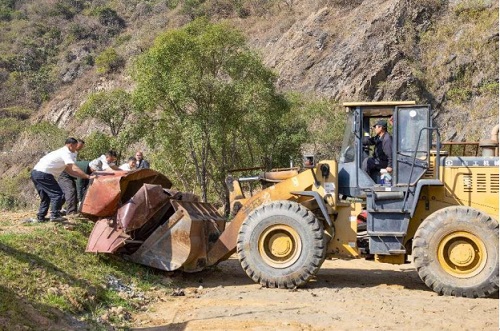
[230,273]
[17,313]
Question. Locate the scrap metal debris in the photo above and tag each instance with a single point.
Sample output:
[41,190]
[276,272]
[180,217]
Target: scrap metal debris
[139,216]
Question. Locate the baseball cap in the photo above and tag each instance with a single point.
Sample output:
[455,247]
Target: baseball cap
[382,123]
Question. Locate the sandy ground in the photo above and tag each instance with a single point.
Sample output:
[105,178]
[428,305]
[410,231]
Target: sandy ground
[345,295]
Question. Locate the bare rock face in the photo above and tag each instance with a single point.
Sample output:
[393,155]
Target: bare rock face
[348,51]
[62,108]
[319,55]
[390,50]
[76,61]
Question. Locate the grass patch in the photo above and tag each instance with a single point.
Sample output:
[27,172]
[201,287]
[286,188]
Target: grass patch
[11,189]
[45,267]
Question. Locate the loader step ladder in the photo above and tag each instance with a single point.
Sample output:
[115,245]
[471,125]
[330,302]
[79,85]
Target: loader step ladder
[387,222]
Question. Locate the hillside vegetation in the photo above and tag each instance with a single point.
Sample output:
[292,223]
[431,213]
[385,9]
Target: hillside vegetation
[55,54]
[48,282]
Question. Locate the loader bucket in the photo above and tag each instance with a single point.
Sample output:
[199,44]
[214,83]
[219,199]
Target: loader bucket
[109,235]
[106,237]
[184,240]
[150,224]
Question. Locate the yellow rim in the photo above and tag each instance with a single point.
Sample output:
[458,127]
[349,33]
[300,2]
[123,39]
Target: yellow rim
[280,246]
[462,254]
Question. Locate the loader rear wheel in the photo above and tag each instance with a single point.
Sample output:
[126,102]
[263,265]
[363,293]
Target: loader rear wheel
[455,252]
[281,244]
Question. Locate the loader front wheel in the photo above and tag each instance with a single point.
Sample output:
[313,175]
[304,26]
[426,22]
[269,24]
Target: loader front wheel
[281,244]
[455,252]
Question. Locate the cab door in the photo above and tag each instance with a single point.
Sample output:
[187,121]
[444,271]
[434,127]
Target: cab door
[412,143]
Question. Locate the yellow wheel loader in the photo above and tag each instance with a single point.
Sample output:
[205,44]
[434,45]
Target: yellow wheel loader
[440,209]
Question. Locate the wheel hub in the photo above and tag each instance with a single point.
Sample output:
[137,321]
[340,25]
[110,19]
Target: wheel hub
[462,254]
[280,246]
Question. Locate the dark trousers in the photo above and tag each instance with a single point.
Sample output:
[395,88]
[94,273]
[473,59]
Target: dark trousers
[68,186]
[50,194]
[372,166]
[81,188]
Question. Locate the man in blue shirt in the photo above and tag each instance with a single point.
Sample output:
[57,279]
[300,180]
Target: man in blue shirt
[141,163]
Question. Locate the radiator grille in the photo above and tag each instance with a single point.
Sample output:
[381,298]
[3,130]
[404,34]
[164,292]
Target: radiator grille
[494,183]
[481,183]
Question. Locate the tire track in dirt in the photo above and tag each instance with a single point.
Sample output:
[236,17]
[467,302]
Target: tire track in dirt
[344,295]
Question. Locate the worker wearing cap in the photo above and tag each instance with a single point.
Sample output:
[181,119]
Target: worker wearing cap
[382,153]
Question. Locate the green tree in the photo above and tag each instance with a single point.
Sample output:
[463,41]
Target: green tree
[114,109]
[109,61]
[211,105]
[325,124]
[96,144]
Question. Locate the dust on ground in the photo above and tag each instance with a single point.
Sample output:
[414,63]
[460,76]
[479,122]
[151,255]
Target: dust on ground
[353,294]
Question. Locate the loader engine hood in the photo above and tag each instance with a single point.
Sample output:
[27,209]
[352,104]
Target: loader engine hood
[137,215]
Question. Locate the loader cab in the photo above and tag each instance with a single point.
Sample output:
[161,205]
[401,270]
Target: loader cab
[410,148]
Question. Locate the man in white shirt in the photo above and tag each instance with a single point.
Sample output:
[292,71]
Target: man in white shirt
[105,162]
[44,176]
[130,165]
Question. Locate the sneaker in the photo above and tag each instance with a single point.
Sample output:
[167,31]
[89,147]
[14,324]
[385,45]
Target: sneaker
[34,220]
[58,219]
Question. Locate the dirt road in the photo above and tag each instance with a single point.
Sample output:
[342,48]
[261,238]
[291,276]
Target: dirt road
[346,295]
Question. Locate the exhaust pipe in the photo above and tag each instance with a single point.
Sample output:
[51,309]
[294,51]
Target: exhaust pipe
[490,146]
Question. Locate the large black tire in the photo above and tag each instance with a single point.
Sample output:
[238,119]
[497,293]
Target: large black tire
[455,252]
[281,244]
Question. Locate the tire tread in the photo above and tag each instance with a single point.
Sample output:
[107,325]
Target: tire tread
[426,265]
[310,267]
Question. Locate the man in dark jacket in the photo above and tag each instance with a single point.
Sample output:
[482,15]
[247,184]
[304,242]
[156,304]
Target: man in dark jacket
[382,153]
[82,184]
[67,183]
[141,163]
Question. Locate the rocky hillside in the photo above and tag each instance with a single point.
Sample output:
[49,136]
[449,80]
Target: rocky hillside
[440,52]
[54,53]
